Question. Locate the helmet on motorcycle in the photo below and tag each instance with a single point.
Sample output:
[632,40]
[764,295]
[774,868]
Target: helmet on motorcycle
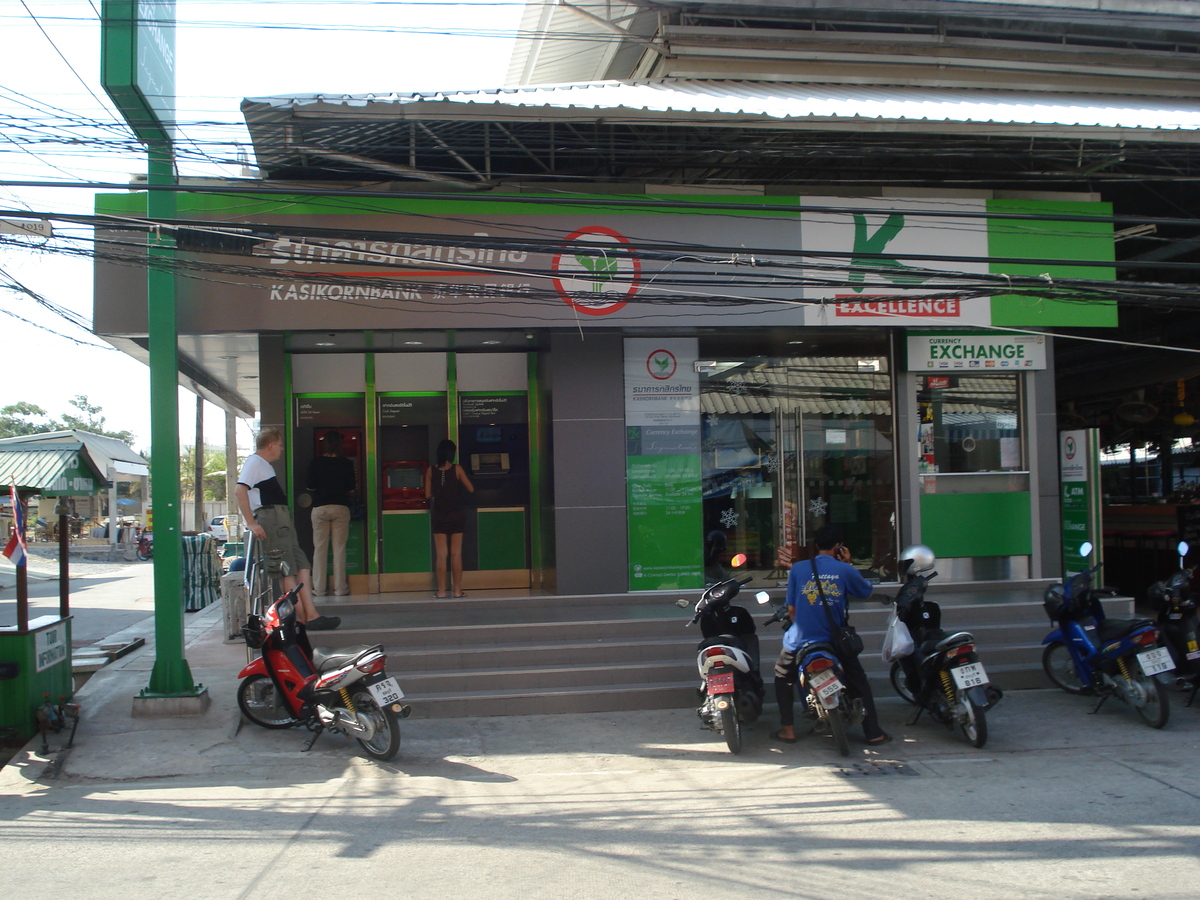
[916,559]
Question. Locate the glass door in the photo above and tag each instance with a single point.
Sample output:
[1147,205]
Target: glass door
[793,442]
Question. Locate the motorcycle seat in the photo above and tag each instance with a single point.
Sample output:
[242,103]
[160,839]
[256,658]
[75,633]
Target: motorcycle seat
[325,658]
[1115,629]
[938,640]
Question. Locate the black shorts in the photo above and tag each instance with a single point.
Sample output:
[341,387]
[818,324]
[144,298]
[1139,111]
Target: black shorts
[453,522]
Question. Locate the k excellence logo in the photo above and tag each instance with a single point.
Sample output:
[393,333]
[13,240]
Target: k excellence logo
[591,280]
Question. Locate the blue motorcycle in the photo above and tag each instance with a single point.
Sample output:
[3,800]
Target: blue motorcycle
[1088,653]
[822,686]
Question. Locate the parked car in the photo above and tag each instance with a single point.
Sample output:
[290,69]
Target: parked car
[216,525]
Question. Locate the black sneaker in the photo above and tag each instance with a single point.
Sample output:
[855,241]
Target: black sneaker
[323,623]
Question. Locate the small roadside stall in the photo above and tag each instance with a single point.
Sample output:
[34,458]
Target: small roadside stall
[35,653]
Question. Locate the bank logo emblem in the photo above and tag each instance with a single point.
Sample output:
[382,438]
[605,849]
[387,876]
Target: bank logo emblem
[661,364]
[591,280]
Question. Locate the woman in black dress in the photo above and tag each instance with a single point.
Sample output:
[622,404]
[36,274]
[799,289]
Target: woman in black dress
[444,484]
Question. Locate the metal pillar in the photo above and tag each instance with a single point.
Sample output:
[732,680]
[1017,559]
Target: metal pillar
[171,676]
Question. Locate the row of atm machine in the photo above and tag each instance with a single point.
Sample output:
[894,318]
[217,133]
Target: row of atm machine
[493,447]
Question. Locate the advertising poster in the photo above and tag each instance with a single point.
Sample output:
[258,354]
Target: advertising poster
[662,459]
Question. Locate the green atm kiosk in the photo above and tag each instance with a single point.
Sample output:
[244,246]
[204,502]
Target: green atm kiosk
[410,428]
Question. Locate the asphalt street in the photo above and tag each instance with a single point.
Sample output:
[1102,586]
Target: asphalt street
[1059,804]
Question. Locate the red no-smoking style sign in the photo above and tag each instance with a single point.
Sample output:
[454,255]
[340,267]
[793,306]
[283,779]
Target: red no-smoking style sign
[589,279]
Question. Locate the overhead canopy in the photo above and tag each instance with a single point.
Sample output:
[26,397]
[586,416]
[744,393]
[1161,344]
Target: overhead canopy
[58,469]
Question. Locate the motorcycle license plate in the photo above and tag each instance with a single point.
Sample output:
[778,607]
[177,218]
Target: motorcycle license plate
[386,691]
[720,683]
[1155,661]
[969,676]
[826,685]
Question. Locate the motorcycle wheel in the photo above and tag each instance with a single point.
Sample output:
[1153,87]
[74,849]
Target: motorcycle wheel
[1060,668]
[974,726]
[1157,708]
[142,554]
[731,728]
[386,742]
[262,704]
[837,727]
[900,683]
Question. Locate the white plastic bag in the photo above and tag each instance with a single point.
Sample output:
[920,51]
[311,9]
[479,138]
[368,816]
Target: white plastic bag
[898,642]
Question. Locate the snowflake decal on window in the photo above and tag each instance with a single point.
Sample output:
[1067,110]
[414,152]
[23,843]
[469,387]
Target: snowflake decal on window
[736,386]
[772,462]
[729,518]
[818,507]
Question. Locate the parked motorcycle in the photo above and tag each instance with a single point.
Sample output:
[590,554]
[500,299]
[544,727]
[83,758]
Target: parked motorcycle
[943,675]
[1175,604]
[145,545]
[822,687]
[1088,653]
[347,691]
[727,659]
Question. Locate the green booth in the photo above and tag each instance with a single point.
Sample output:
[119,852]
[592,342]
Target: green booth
[35,653]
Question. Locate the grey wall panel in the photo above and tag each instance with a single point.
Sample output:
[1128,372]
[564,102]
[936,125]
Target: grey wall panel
[588,423]
[594,559]
[592,478]
[1046,488]
[589,376]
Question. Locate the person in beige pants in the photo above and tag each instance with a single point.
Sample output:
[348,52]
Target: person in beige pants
[332,484]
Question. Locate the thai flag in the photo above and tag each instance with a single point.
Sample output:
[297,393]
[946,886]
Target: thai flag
[16,544]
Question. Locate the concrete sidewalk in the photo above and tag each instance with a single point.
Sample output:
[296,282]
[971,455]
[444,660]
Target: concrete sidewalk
[1059,804]
[111,744]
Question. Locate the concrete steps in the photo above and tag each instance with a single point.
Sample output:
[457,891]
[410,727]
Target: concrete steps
[515,655]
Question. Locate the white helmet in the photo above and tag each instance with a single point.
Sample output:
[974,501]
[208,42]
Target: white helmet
[916,560]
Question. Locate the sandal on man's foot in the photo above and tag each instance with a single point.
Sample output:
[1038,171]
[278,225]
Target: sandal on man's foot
[460,595]
[776,736]
[880,741]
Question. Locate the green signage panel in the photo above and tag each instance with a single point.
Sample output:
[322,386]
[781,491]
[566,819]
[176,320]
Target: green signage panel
[1044,239]
[137,64]
[665,523]
[963,525]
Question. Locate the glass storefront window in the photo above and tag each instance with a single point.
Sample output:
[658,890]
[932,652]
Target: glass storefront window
[791,442]
[969,424]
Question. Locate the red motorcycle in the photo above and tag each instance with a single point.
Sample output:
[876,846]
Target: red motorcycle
[145,545]
[347,691]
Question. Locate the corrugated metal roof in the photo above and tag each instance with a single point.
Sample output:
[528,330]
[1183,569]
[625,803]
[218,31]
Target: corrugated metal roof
[103,451]
[41,467]
[706,98]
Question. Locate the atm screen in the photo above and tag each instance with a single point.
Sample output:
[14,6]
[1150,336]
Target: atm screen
[487,435]
[404,478]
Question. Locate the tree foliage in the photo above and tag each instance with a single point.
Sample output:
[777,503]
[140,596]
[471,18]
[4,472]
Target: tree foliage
[19,419]
[214,473]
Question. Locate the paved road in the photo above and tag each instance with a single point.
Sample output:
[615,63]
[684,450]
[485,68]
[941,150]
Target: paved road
[1060,804]
[105,597]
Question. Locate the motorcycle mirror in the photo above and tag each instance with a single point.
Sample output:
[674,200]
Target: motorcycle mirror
[762,597]
[1182,549]
[1086,548]
[738,560]
[681,603]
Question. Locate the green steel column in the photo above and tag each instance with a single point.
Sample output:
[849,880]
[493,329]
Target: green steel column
[371,493]
[171,676]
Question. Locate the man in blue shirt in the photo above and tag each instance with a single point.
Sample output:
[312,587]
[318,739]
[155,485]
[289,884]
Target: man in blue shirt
[811,622]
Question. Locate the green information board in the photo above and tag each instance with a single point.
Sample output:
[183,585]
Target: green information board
[665,521]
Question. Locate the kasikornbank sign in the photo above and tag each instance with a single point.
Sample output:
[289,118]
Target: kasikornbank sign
[980,353]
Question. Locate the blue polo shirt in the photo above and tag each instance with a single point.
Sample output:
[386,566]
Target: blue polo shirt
[839,581]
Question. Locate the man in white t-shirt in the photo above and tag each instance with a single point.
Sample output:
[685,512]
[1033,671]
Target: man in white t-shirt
[262,502]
